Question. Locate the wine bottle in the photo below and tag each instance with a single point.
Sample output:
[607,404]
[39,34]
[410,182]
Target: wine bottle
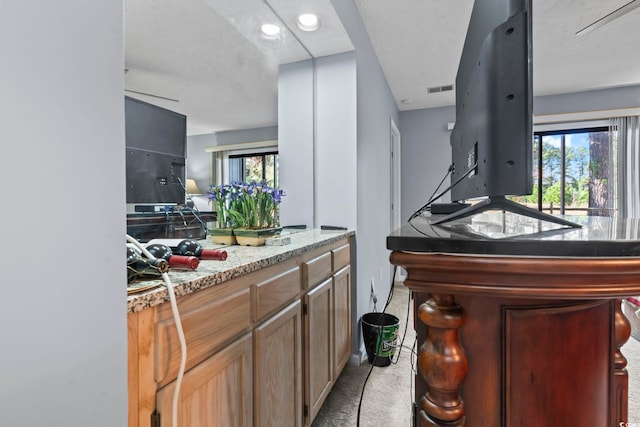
[175,261]
[139,266]
[190,247]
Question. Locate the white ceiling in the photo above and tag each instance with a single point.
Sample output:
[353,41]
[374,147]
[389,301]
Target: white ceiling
[206,55]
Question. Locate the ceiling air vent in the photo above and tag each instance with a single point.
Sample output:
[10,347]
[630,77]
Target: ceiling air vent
[438,89]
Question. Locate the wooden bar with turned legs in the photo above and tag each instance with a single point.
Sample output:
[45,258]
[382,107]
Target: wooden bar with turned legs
[442,362]
[524,342]
[520,332]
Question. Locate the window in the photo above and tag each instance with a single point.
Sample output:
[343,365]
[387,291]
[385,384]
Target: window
[254,167]
[574,172]
[246,161]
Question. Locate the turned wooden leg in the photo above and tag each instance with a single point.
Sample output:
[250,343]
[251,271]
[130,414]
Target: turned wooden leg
[622,331]
[442,362]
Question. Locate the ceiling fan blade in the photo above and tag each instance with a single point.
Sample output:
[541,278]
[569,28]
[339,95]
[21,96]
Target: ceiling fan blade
[154,96]
[623,10]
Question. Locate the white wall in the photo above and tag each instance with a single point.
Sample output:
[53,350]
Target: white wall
[64,338]
[336,141]
[296,128]
[317,141]
[375,109]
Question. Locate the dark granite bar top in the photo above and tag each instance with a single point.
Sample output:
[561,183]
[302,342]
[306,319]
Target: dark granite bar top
[506,234]
[241,260]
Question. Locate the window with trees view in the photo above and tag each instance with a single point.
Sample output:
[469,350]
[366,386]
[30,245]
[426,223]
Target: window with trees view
[573,172]
[254,167]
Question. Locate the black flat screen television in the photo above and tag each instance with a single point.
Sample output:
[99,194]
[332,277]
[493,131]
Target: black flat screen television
[492,140]
[156,142]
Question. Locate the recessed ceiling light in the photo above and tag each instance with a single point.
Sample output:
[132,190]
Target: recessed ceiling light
[308,22]
[270,31]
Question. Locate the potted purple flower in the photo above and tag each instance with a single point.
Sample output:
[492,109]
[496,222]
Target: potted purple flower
[251,209]
[223,233]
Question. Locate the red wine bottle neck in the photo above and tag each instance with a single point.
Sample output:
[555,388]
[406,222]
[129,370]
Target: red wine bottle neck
[185,262]
[213,254]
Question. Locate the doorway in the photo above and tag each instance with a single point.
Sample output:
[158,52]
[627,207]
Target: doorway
[396,187]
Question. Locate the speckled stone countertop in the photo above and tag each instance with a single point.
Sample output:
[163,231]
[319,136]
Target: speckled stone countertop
[241,260]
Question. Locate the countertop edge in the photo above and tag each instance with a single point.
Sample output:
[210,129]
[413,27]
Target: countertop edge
[185,283]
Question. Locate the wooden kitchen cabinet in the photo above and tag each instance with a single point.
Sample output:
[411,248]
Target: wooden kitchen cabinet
[327,319]
[263,349]
[341,310]
[215,393]
[341,319]
[278,369]
[318,347]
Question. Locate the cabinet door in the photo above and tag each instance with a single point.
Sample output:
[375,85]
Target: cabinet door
[318,347]
[341,319]
[215,393]
[278,369]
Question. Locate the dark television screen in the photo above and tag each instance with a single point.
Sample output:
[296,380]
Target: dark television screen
[492,140]
[156,152]
[494,103]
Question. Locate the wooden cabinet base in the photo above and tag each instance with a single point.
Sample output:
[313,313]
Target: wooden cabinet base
[543,352]
[253,356]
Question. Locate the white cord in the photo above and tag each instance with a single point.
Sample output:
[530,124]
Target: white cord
[176,318]
[183,347]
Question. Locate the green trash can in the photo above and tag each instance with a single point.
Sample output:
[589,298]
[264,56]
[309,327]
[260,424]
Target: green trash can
[380,334]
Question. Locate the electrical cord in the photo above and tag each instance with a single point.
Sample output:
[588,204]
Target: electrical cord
[404,335]
[430,199]
[443,192]
[378,343]
[194,209]
[178,322]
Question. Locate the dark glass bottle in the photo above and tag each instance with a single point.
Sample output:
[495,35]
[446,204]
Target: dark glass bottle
[191,247]
[175,261]
[140,267]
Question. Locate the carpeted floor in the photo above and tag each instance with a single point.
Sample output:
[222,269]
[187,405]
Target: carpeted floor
[389,391]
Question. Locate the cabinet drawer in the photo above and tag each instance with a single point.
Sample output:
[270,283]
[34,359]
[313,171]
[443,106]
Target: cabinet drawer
[275,292]
[341,256]
[316,270]
[208,321]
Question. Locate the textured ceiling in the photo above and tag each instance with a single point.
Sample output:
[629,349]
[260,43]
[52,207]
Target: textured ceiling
[419,43]
[205,55]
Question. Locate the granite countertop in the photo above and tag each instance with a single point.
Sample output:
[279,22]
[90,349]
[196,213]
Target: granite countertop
[241,260]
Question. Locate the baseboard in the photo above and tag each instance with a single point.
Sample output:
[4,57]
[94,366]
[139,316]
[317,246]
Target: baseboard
[358,359]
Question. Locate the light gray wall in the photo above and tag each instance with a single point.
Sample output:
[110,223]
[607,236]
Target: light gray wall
[426,155]
[426,151]
[199,161]
[336,141]
[376,107]
[63,358]
[603,99]
[233,137]
[317,141]
[296,142]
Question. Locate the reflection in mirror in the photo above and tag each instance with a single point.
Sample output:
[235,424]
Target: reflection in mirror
[206,59]
[187,52]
